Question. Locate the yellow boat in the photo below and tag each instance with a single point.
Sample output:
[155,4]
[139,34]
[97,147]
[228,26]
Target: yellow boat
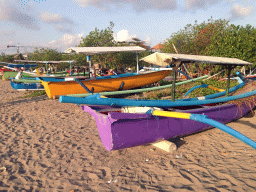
[54,89]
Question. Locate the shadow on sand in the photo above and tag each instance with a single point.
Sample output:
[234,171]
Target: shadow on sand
[25,100]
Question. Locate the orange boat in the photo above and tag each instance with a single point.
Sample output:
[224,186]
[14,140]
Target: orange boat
[77,86]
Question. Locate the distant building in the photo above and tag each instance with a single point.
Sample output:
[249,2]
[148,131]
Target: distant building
[157,48]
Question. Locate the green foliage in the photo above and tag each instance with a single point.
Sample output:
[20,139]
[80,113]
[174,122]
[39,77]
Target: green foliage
[214,38]
[182,89]
[46,55]
[50,55]
[213,83]
[194,39]
[30,94]
[7,58]
[105,38]
[99,38]
[235,42]
[128,59]
[80,59]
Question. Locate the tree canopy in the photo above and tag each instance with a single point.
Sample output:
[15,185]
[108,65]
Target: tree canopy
[215,38]
[7,58]
[194,39]
[235,41]
[46,55]
[105,38]
[99,38]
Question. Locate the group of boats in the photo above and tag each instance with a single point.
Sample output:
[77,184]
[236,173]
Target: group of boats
[124,123]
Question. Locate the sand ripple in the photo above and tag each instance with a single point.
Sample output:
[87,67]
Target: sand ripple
[49,146]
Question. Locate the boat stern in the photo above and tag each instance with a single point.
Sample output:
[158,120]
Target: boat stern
[47,88]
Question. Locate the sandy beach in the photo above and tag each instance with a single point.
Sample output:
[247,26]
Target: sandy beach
[50,146]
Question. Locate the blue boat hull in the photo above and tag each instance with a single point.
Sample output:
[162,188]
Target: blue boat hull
[27,86]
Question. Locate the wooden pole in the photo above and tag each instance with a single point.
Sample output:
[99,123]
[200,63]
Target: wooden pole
[70,67]
[229,67]
[214,75]
[137,58]
[183,63]
[90,64]
[175,48]
[175,67]
[46,68]
[174,82]
[174,76]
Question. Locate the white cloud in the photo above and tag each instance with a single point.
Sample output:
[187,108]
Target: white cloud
[62,44]
[66,41]
[55,18]
[63,29]
[239,11]
[198,4]
[7,33]
[50,17]
[123,35]
[60,23]
[138,5]
[10,11]
[148,41]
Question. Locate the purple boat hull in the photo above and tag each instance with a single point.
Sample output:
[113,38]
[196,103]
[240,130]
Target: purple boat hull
[123,130]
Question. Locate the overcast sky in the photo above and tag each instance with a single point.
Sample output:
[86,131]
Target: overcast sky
[60,24]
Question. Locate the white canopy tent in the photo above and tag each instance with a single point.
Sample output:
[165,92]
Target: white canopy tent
[44,62]
[104,50]
[175,60]
[164,59]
